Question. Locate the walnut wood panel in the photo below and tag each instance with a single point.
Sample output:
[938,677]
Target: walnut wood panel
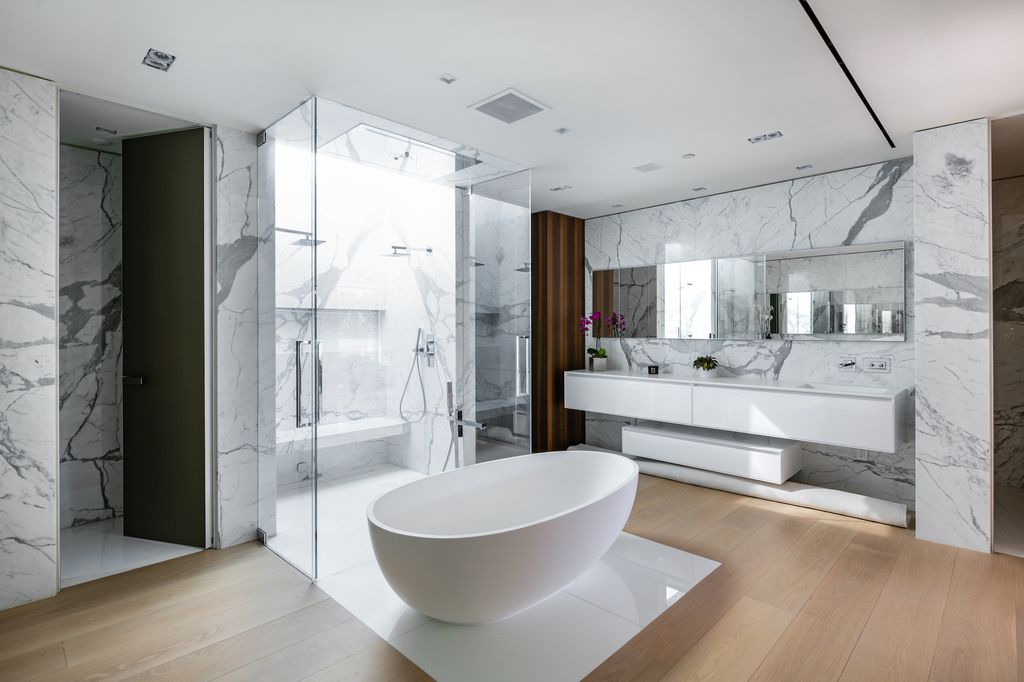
[558,300]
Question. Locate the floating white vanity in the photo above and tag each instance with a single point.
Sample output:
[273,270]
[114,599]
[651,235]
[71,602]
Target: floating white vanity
[776,416]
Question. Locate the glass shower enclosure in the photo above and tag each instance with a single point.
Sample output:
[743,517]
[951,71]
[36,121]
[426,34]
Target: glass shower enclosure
[395,295]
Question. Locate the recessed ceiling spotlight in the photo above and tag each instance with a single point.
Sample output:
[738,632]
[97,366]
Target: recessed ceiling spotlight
[105,131]
[560,188]
[764,137]
[647,167]
[617,205]
[699,189]
[447,78]
[561,131]
[689,156]
[158,60]
[805,166]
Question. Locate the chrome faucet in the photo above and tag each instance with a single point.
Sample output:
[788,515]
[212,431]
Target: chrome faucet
[455,414]
[848,363]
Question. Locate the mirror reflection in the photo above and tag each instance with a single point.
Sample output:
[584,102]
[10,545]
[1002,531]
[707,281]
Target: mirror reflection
[852,293]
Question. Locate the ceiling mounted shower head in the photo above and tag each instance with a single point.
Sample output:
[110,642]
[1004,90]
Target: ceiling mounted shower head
[306,241]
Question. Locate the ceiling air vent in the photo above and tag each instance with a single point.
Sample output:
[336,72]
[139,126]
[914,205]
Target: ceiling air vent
[509,106]
[647,167]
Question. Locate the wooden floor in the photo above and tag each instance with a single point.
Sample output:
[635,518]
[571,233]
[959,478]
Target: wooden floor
[800,595]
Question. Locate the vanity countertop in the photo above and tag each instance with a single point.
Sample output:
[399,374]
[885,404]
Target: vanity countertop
[758,383]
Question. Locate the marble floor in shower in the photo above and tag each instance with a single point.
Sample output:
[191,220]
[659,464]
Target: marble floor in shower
[564,637]
[100,548]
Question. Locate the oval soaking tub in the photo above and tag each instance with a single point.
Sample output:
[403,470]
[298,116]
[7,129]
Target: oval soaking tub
[482,543]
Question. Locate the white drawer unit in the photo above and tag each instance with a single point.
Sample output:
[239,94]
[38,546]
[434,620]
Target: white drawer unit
[629,396]
[753,457]
[857,421]
[862,417]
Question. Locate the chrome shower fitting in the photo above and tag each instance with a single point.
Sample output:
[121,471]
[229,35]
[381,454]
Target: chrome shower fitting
[428,349]
[398,251]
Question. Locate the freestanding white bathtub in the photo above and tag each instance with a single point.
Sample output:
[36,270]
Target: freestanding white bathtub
[485,542]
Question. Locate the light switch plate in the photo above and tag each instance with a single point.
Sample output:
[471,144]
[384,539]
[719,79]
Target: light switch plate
[883,365]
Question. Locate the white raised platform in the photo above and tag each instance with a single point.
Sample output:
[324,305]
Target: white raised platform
[563,638]
[743,455]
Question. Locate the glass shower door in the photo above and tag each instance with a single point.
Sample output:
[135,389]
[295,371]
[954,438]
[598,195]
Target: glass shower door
[287,483]
[499,220]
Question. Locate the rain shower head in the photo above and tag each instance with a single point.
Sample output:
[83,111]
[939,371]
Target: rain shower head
[306,241]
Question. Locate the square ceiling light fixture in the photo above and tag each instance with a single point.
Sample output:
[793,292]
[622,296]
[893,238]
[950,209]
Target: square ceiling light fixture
[509,106]
[158,60]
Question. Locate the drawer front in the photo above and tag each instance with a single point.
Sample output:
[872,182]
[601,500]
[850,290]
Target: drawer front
[663,402]
[819,418]
[735,459]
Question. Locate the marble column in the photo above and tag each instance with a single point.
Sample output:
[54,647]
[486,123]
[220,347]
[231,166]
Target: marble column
[952,254]
[237,342]
[28,338]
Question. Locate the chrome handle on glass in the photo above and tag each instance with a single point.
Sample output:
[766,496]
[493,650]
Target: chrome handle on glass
[522,367]
[317,377]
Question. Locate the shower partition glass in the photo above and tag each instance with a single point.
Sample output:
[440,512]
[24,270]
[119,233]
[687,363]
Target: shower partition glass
[286,182]
[407,262]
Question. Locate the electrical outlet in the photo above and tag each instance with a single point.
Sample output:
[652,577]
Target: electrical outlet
[878,365]
[847,364]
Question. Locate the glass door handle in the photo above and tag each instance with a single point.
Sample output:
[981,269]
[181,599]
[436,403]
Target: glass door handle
[522,366]
[316,376]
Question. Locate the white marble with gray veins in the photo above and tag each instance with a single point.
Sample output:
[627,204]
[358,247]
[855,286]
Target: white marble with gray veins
[91,472]
[237,326]
[858,206]
[28,338]
[951,283]
[1008,323]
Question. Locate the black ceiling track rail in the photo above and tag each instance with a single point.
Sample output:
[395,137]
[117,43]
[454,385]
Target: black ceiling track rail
[842,65]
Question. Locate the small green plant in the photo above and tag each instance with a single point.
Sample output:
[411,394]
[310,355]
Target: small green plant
[597,352]
[705,362]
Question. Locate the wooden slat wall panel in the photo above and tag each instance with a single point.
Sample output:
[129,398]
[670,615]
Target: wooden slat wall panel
[558,300]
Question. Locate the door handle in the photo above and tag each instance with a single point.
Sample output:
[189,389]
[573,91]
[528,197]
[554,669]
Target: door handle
[299,421]
[131,381]
[522,367]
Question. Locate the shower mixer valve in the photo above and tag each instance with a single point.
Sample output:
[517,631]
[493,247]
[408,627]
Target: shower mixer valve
[428,350]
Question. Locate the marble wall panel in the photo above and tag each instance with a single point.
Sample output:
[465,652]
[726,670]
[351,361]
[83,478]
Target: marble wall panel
[1008,328]
[91,471]
[952,254]
[859,206]
[237,327]
[28,338]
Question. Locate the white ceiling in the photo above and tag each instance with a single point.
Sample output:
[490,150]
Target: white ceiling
[635,82]
[81,115]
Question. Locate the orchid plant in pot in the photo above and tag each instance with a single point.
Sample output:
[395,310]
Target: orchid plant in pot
[592,324]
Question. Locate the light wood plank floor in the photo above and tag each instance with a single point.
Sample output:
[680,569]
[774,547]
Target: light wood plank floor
[801,595]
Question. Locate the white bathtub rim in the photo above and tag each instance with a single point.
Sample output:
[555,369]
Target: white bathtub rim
[372,517]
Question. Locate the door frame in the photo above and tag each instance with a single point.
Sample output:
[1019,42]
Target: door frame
[209,316]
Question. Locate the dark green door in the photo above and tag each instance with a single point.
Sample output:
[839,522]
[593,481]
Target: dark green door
[164,199]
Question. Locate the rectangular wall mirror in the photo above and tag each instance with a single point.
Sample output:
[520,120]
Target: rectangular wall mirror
[850,292]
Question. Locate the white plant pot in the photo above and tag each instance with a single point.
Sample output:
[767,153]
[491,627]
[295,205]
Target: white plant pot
[706,373]
[598,364]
